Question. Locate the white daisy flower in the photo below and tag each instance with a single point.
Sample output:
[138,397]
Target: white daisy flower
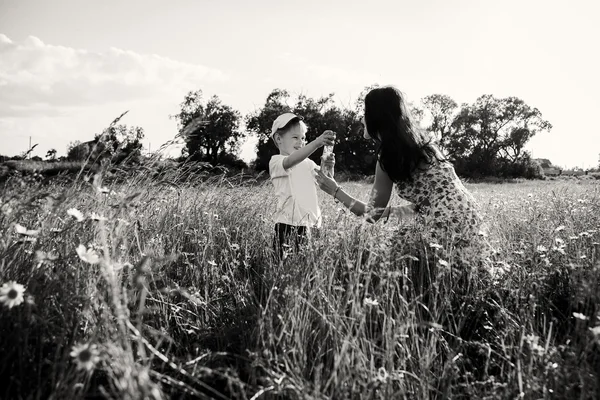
[371,302]
[86,356]
[88,255]
[580,316]
[11,294]
[76,214]
[97,217]
[21,230]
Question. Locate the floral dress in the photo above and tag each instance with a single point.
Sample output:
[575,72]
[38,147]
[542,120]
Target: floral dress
[448,210]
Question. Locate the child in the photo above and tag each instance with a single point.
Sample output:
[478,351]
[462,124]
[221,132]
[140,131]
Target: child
[292,174]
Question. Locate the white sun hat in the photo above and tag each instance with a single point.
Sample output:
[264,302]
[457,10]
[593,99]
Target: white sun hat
[282,121]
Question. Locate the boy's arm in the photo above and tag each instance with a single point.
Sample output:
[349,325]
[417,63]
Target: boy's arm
[299,155]
[302,153]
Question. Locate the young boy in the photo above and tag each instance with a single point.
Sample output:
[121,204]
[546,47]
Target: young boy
[292,174]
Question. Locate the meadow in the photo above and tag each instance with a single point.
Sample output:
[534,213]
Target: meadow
[166,287]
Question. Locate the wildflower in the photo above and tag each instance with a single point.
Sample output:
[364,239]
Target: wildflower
[86,356]
[43,257]
[580,316]
[75,213]
[87,255]
[11,294]
[21,230]
[435,245]
[443,263]
[6,209]
[533,341]
[541,249]
[235,246]
[596,330]
[97,217]
[382,375]
[371,302]
[560,228]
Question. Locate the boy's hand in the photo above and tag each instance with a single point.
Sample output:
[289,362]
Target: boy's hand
[327,138]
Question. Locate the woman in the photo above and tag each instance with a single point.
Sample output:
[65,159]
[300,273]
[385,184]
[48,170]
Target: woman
[407,158]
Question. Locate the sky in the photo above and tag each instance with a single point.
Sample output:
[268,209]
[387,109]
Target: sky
[69,67]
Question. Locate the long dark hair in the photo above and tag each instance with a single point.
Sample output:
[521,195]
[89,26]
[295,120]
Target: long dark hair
[402,145]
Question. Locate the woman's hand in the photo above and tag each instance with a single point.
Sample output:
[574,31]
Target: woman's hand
[326,183]
[328,164]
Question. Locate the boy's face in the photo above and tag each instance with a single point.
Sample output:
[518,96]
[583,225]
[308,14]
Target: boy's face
[290,140]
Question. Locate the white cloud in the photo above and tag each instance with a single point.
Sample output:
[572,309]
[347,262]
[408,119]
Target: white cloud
[40,79]
[327,73]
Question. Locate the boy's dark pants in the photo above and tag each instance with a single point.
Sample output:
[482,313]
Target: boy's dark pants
[288,235]
[285,235]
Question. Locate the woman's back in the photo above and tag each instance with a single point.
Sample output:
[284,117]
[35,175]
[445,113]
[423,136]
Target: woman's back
[443,201]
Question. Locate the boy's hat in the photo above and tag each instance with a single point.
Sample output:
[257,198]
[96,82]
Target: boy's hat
[283,120]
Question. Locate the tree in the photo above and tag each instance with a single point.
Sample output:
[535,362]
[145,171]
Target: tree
[442,110]
[51,155]
[492,133]
[259,123]
[76,151]
[353,153]
[216,140]
[116,144]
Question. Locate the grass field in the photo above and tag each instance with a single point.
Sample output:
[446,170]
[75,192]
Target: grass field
[164,289]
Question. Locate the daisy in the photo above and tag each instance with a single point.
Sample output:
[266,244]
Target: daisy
[443,263]
[21,230]
[86,356]
[371,302]
[87,255]
[43,257]
[11,294]
[97,217]
[580,316]
[75,213]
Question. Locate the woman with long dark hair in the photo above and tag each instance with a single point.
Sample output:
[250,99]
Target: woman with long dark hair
[408,159]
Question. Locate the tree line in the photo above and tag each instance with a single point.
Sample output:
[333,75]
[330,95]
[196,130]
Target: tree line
[485,138]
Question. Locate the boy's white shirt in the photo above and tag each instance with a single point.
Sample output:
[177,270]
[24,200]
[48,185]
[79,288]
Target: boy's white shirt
[296,191]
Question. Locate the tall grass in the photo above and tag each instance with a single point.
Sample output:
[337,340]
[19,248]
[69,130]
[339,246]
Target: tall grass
[187,300]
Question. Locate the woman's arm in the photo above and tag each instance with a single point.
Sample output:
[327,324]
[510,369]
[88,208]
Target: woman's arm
[375,208]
